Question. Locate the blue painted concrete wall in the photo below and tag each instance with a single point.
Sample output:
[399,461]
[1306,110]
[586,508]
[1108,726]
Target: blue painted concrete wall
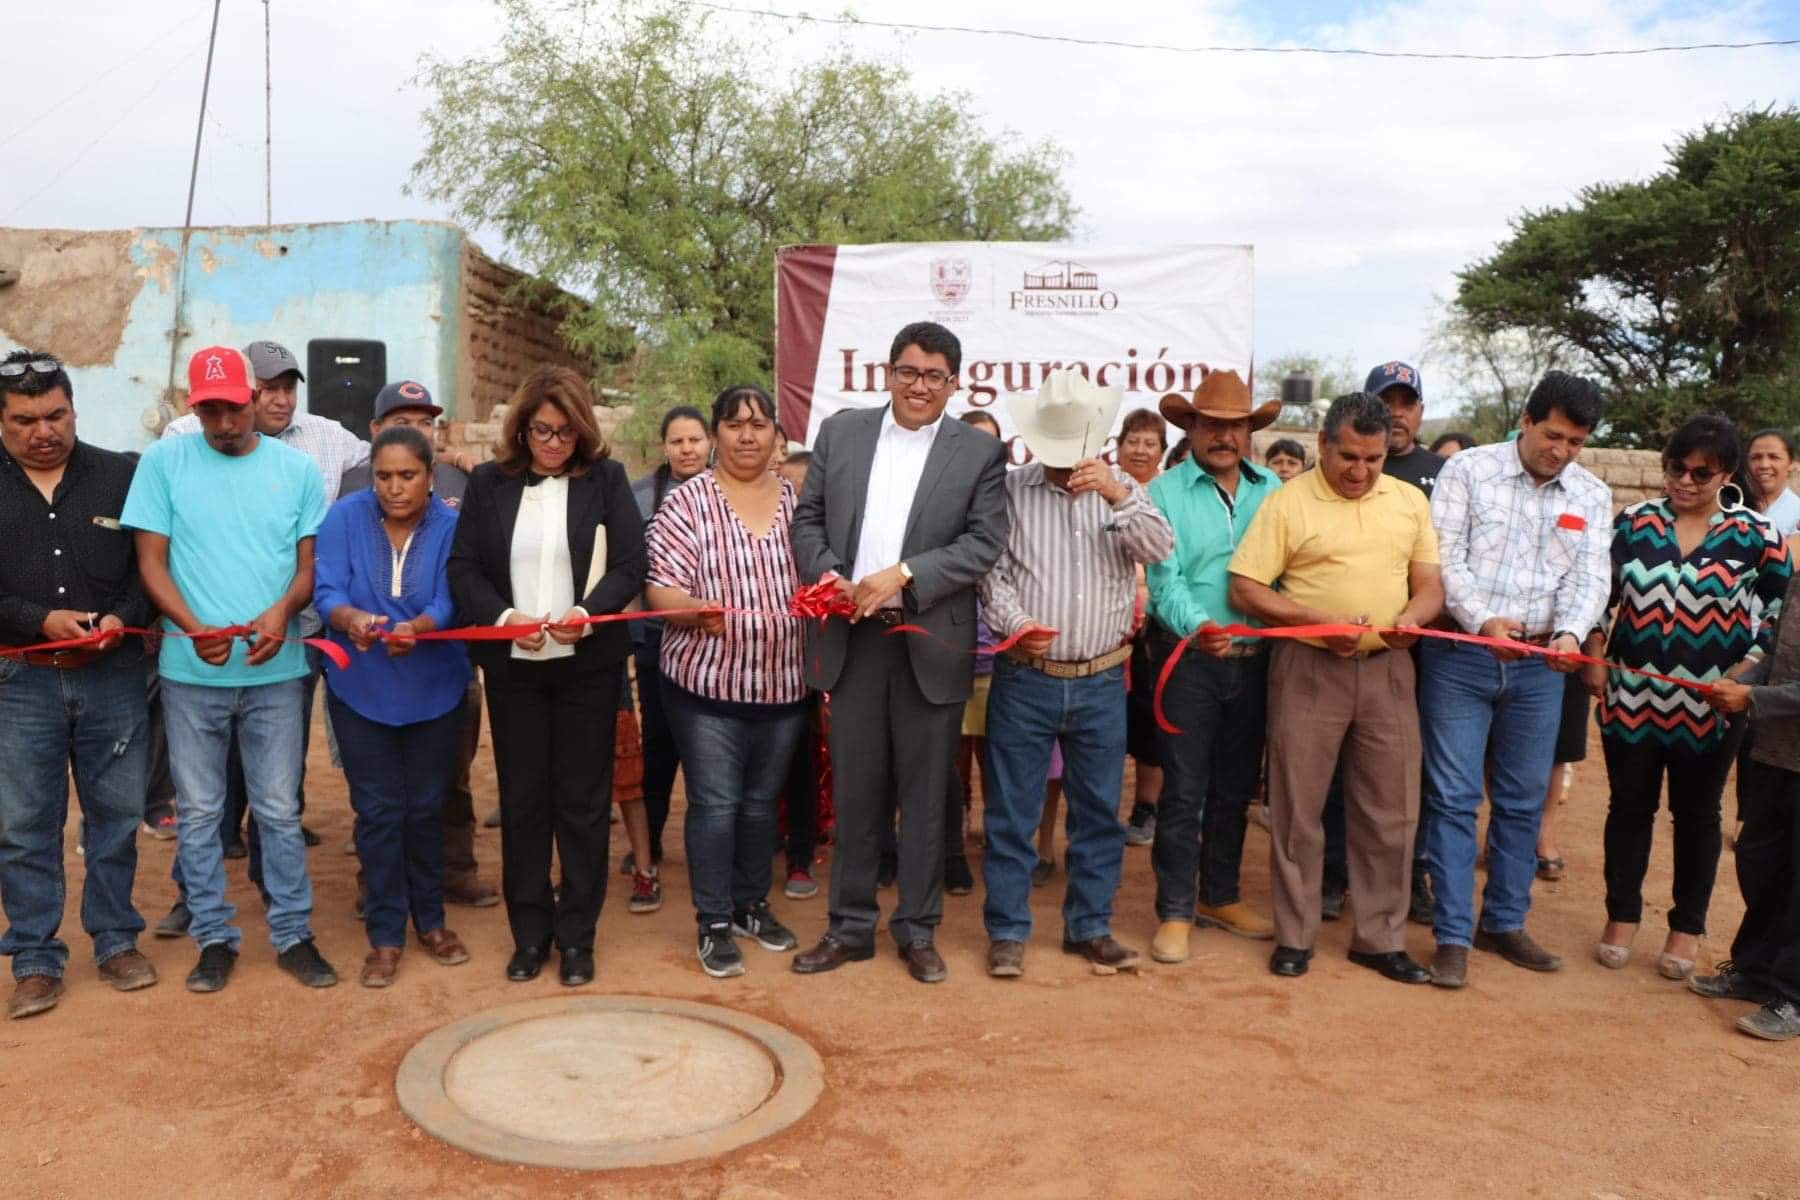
[396,282]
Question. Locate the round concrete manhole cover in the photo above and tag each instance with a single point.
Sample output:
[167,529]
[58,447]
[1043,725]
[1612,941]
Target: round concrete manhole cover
[591,1082]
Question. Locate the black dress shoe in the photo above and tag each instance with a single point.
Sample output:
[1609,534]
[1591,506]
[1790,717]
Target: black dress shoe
[1289,962]
[923,962]
[831,953]
[576,968]
[1394,965]
[526,962]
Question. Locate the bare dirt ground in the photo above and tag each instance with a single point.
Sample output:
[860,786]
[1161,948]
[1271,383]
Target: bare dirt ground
[1208,1079]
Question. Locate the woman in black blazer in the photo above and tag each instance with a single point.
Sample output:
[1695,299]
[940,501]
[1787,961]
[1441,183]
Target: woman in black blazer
[549,532]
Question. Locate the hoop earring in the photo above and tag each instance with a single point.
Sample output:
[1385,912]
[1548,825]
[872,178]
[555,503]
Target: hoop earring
[1731,505]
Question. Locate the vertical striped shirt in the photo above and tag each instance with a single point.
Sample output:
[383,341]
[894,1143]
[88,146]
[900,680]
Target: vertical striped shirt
[1071,562]
[698,546]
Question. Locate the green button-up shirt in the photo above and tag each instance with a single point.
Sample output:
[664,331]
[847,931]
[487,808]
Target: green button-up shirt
[1188,588]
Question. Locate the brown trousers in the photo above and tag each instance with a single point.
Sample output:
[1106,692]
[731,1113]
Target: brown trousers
[1320,704]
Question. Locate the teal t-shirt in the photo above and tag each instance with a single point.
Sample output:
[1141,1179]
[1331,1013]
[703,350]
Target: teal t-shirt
[233,526]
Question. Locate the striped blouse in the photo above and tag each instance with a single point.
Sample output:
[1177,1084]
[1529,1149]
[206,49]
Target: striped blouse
[1687,617]
[697,545]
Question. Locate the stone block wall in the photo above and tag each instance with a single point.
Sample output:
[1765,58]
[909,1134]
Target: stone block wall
[502,338]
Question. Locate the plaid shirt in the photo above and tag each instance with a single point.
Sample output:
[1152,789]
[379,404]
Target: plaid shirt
[332,448]
[1511,547]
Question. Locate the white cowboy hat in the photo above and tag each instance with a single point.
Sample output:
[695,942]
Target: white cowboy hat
[1068,420]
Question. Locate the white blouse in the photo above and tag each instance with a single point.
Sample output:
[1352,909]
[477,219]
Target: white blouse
[543,578]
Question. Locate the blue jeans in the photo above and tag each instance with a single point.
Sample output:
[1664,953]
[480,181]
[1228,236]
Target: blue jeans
[269,726]
[92,720]
[1209,770]
[1475,701]
[399,776]
[735,769]
[1029,712]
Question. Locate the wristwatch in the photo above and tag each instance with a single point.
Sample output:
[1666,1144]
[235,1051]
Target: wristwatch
[906,574]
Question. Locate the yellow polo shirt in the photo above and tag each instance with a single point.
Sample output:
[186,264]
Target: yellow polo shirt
[1346,557]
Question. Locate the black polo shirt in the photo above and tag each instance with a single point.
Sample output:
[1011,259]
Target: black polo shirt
[70,552]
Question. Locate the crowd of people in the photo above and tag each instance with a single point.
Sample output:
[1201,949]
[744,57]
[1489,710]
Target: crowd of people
[1257,637]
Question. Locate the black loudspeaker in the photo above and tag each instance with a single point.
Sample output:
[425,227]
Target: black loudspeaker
[343,376]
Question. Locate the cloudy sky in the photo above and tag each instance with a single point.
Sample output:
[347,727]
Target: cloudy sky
[1363,183]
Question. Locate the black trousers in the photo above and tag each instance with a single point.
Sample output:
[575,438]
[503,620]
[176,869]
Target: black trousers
[800,797]
[889,745]
[662,758]
[1635,771]
[1767,946]
[553,752]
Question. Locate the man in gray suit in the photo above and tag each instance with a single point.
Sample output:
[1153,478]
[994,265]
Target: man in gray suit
[905,512]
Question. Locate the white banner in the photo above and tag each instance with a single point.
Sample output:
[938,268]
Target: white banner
[1150,319]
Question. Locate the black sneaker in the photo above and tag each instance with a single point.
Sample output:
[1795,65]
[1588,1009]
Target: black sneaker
[719,955]
[1140,830]
[1331,903]
[236,849]
[1419,911]
[214,968]
[1776,1021]
[303,961]
[760,926]
[1043,872]
[958,879]
[309,837]
[176,923]
[1729,984]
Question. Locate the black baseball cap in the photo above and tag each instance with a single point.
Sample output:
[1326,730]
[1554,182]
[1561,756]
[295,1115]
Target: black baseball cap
[404,394]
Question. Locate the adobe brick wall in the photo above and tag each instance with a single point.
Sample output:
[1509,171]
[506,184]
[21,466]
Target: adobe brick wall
[501,338]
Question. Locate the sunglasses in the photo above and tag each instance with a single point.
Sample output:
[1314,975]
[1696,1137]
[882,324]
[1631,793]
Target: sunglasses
[41,366]
[1700,475]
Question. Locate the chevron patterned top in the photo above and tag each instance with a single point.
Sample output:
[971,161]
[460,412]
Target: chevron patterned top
[1686,616]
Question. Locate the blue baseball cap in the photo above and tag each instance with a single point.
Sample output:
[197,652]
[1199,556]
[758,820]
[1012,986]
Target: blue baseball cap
[404,394]
[1394,374]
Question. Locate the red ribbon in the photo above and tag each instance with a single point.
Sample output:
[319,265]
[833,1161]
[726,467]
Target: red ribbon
[1290,632]
[328,648]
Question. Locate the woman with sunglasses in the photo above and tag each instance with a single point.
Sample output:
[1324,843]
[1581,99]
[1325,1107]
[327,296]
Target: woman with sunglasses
[1688,569]
[549,535]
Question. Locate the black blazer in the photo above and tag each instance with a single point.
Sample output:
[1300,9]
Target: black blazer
[481,557]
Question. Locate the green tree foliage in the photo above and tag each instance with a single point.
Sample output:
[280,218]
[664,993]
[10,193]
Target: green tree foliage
[634,155]
[1681,292]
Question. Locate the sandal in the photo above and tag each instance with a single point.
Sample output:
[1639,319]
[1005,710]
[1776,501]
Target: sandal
[1551,869]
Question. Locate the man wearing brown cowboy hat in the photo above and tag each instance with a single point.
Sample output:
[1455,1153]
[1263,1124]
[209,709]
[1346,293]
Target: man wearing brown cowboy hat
[1343,544]
[1217,699]
[1078,529]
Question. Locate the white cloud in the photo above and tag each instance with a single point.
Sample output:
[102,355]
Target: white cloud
[1364,183]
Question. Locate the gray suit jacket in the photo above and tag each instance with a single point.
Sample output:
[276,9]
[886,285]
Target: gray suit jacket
[955,532]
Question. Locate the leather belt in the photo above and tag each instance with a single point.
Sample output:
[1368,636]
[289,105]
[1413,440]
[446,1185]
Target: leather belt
[1248,648]
[62,660]
[1057,669]
[887,616]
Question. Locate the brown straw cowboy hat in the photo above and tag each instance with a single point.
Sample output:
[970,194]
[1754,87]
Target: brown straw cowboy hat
[1222,396]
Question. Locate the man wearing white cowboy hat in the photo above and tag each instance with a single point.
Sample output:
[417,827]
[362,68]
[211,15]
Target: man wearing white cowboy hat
[1218,699]
[1067,580]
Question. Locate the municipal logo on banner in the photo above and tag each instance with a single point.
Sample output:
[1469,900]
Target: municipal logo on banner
[950,279]
[1065,287]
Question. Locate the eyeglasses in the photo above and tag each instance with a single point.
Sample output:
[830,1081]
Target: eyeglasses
[1700,475]
[541,432]
[934,378]
[42,366]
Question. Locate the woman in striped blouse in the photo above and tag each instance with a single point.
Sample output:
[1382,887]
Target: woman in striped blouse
[733,681]
[1688,569]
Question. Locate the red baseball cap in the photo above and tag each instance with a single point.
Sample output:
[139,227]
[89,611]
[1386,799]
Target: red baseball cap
[218,373]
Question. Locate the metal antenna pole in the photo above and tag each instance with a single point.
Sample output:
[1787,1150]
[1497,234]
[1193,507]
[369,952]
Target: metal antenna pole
[187,221]
[268,127]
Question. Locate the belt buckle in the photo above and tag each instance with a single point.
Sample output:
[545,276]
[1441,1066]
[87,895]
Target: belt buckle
[57,658]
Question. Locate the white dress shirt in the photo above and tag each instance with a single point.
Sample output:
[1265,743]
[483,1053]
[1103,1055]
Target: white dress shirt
[893,481]
[543,577]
